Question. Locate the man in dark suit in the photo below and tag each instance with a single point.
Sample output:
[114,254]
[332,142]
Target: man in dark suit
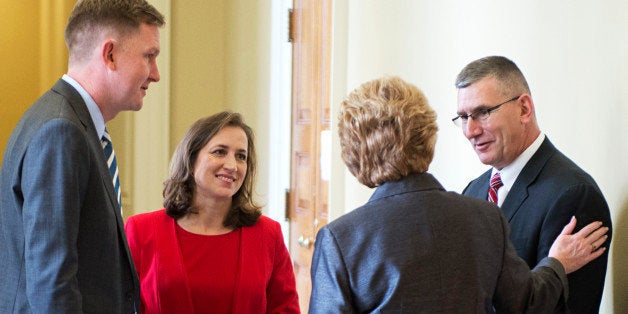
[62,242]
[414,247]
[539,189]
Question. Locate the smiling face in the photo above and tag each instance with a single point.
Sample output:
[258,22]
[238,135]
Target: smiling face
[507,132]
[135,68]
[221,165]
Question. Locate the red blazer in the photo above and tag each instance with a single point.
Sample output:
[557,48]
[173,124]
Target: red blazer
[266,270]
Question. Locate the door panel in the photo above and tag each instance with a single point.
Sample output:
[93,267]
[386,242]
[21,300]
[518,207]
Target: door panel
[311,51]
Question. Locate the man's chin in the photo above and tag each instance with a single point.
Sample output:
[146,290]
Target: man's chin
[485,158]
[137,107]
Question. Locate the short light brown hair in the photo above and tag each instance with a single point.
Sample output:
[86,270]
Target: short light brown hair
[90,17]
[387,131]
[506,72]
[180,187]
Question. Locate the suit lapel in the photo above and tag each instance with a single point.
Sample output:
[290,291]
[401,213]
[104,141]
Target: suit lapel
[76,102]
[519,191]
[80,108]
[478,188]
[78,105]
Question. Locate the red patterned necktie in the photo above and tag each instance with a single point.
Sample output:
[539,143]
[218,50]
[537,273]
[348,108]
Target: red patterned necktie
[496,183]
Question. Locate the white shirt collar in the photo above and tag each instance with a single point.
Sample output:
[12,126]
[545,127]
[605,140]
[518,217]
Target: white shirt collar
[94,111]
[510,173]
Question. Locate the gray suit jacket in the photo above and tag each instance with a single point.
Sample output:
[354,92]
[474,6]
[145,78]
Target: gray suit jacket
[548,191]
[416,248]
[62,242]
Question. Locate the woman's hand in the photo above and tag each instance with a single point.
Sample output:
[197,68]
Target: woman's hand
[578,249]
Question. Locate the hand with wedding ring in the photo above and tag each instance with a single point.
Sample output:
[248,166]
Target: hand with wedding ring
[578,249]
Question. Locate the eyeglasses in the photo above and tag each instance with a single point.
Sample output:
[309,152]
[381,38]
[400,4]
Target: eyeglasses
[480,114]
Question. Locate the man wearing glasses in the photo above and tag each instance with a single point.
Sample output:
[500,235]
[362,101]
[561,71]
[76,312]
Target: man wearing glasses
[537,187]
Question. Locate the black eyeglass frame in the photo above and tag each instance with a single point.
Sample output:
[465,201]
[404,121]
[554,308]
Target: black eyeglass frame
[459,119]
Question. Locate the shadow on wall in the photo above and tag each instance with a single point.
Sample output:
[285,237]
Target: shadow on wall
[620,260]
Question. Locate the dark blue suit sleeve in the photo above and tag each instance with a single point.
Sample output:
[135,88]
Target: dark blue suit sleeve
[331,292]
[520,290]
[53,176]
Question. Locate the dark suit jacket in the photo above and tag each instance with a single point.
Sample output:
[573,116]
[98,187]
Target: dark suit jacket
[62,242]
[548,191]
[416,248]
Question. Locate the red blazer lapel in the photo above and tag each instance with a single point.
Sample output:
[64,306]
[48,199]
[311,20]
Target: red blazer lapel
[171,271]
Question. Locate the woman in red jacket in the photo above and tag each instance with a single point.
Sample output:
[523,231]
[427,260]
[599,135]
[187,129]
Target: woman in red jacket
[210,250]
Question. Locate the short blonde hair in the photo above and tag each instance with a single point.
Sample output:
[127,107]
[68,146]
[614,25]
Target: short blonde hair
[387,131]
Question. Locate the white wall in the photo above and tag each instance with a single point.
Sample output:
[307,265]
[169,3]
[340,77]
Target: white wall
[573,53]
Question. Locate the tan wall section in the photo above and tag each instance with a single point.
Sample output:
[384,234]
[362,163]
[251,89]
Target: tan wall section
[19,52]
[248,77]
[199,32]
[220,61]
[33,56]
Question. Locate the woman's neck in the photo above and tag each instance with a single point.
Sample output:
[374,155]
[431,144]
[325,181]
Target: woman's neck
[209,218]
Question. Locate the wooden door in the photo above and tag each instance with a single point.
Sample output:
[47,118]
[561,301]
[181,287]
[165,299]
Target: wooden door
[310,33]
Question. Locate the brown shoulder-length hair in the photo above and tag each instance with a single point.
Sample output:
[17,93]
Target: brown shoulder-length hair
[387,131]
[179,189]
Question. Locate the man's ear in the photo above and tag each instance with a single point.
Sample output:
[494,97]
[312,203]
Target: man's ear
[527,107]
[109,48]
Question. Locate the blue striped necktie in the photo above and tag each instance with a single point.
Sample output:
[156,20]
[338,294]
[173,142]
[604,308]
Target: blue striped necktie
[107,147]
